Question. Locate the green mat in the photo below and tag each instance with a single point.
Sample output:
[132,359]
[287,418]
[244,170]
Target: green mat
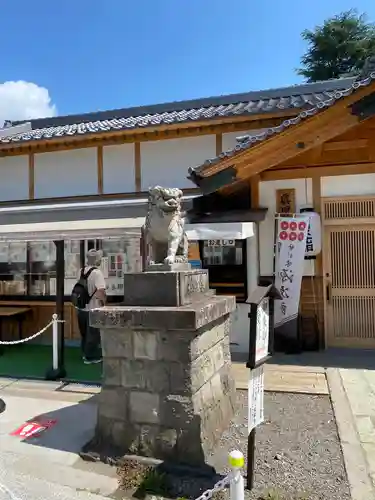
[32,361]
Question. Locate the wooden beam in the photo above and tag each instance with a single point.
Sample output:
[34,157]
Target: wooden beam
[296,139]
[342,145]
[318,171]
[100,169]
[137,167]
[31,176]
[219,144]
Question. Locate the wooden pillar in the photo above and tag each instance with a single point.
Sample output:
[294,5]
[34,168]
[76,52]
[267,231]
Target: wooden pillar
[100,169]
[31,176]
[254,197]
[137,167]
[318,278]
[219,144]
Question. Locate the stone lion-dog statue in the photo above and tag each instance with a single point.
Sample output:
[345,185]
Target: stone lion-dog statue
[164,234]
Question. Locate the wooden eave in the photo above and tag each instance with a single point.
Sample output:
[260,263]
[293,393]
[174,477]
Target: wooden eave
[158,132]
[295,140]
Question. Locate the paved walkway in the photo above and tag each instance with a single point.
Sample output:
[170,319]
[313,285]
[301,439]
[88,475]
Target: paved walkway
[48,466]
[353,398]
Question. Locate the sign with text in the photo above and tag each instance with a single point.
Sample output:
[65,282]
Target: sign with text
[262,330]
[314,235]
[290,244]
[221,243]
[256,398]
[32,429]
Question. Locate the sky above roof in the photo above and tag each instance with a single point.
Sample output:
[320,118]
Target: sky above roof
[82,56]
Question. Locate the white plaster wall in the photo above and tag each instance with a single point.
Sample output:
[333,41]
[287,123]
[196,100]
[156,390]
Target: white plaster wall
[267,198]
[167,162]
[14,171]
[229,140]
[118,169]
[66,173]
[239,335]
[348,185]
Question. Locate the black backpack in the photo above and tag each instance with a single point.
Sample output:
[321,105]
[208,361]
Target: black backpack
[80,293]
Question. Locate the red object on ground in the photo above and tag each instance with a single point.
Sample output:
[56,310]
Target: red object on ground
[29,429]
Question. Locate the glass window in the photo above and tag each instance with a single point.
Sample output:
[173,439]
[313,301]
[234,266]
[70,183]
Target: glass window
[42,268]
[222,253]
[13,268]
[72,252]
[120,256]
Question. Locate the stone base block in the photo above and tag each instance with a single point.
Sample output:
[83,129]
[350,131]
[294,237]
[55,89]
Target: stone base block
[165,288]
[166,394]
[177,266]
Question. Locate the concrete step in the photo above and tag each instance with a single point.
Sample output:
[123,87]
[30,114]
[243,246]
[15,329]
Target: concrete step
[63,475]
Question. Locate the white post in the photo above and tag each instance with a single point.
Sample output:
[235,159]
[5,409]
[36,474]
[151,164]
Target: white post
[55,343]
[237,484]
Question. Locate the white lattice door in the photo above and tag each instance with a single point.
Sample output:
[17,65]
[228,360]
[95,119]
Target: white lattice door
[349,262]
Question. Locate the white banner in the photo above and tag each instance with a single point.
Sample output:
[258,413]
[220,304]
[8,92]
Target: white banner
[263,330]
[291,245]
[256,398]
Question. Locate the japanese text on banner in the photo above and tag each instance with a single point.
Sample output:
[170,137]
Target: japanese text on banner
[291,244]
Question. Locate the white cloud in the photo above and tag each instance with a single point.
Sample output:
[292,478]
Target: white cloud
[24,100]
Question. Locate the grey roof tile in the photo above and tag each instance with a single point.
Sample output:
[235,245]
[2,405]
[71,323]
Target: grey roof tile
[250,103]
[319,101]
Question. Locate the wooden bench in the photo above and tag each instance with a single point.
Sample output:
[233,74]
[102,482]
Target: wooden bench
[12,313]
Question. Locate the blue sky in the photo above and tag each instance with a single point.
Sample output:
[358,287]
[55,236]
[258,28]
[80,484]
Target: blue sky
[95,54]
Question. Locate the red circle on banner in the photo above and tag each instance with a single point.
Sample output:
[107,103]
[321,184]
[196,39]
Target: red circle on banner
[284,225]
[283,235]
[301,236]
[293,236]
[293,226]
[302,226]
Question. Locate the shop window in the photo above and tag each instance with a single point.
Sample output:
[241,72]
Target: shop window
[29,269]
[226,263]
[13,268]
[120,256]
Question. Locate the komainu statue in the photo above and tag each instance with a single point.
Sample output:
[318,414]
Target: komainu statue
[165,238]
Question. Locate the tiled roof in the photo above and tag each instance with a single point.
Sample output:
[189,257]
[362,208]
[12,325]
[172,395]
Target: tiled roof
[266,101]
[247,141]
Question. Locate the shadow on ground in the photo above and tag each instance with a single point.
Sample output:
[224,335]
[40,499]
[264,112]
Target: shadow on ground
[75,427]
[330,358]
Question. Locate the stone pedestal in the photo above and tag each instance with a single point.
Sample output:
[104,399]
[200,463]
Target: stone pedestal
[167,388]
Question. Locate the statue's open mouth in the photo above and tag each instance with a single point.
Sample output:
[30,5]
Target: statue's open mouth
[170,205]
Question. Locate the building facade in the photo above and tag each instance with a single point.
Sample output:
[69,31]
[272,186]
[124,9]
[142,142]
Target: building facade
[61,175]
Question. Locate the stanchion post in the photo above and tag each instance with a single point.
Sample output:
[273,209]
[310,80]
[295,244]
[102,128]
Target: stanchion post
[57,371]
[237,484]
[55,343]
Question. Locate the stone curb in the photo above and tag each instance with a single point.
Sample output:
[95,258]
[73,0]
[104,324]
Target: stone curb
[361,487]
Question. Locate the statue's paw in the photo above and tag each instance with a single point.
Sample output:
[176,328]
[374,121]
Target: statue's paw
[169,260]
[181,260]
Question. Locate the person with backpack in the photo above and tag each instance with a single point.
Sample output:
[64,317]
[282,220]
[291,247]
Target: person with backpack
[87,294]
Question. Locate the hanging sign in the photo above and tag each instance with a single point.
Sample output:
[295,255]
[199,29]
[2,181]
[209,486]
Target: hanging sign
[291,243]
[221,243]
[314,236]
[262,330]
[256,398]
